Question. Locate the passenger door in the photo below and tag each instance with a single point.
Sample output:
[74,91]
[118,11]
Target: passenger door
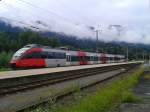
[68,59]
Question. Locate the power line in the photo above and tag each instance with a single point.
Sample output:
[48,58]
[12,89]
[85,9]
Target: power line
[20,22]
[45,10]
[48,12]
[38,21]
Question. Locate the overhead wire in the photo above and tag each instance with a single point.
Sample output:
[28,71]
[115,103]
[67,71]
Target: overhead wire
[20,22]
[50,12]
[43,24]
[46,11]
[17,21]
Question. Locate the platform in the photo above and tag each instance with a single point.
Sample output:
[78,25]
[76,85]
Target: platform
[31,72]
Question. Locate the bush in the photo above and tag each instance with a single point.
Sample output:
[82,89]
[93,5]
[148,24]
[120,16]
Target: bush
[4,59]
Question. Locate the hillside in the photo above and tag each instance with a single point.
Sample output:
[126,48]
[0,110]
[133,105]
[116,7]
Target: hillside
[13,38]
[8,27]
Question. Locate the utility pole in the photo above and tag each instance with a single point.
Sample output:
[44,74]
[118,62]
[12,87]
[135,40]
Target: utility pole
[127,53]
[97,34]
[149,58]
[118,28]
[97,37]
[144,52]
[143,56]
[136,55]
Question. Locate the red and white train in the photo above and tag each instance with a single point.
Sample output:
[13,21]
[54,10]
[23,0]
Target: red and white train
[43,56]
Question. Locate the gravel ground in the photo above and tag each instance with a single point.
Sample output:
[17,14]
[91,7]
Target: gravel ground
[79,94]
[142,90]
[12,103]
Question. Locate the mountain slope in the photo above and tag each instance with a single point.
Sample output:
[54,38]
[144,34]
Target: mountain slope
[8,27]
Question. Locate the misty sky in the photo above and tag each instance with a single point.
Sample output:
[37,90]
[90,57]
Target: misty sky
[74,17]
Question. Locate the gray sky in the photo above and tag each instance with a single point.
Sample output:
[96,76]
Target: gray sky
[74,16]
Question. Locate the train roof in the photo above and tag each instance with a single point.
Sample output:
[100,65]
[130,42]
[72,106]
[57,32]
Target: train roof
[37,45]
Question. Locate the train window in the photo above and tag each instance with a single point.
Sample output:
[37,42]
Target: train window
[110,58]
[59,55]
[56,55]
[62,55]
[36,54]
[50,55]
[20,52]
[87,58]
[33,54]
[95,58]
[28,56]
[82,58]
[92,58]
[74,58]
[116,58]
[44,55]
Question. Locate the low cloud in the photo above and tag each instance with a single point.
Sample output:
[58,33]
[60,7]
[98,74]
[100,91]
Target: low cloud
[74,17]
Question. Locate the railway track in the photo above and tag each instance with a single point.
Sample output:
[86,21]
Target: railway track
[64,76]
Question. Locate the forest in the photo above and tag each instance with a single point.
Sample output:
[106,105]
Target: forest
[12,41]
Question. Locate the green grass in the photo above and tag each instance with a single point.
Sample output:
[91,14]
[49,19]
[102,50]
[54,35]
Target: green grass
[4,69]
[104,100]
[147,76]
[130,97]
[4,59]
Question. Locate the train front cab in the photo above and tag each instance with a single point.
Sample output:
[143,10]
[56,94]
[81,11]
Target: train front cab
[32,58]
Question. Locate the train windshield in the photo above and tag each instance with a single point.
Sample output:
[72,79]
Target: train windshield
[20,52]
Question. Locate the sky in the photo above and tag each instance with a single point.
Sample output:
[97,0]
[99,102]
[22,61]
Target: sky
[75,17]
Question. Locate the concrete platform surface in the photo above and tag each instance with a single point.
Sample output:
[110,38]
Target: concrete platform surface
[22,73]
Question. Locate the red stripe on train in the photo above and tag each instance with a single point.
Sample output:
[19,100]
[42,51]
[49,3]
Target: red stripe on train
[30,63]
[33,62]
[103,59]
[82,58]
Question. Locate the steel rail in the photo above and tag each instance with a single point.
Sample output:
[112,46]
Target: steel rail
[64,76]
